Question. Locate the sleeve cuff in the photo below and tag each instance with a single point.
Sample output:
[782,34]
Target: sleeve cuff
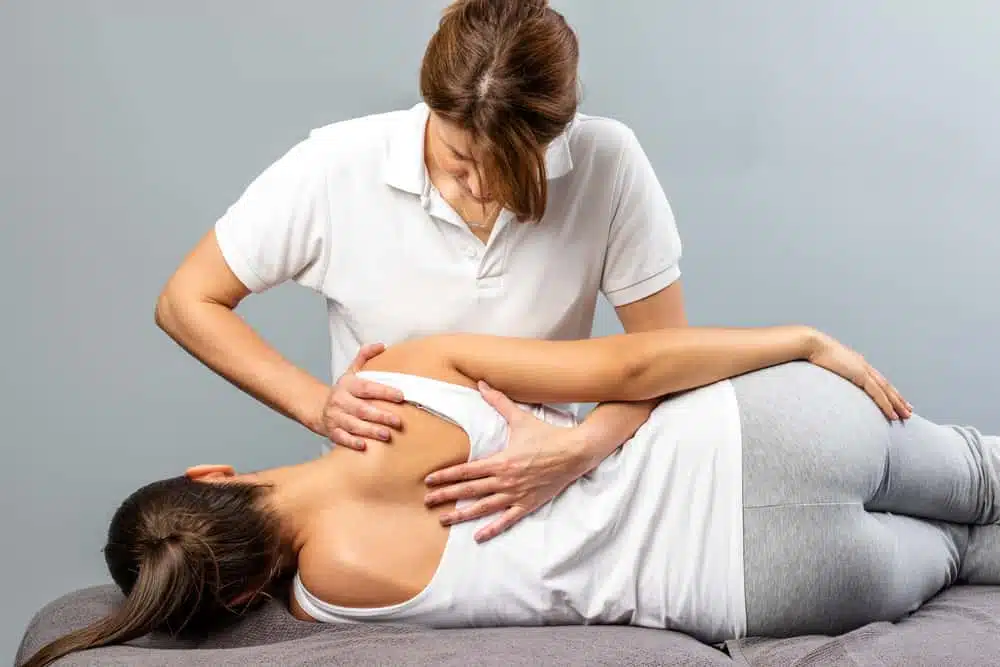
[237,261]
[644,287]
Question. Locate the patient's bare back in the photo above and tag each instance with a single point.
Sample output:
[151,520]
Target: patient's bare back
[375,543]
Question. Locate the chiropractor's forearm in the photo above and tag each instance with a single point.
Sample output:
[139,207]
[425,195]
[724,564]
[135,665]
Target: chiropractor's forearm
[609,426]
[225,343]
[672,360]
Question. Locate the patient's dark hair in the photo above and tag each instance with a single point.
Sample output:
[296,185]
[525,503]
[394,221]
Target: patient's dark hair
[181,551]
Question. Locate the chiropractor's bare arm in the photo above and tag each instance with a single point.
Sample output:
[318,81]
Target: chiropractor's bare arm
[197,309]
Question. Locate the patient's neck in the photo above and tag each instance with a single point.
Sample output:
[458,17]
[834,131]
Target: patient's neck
[297,493]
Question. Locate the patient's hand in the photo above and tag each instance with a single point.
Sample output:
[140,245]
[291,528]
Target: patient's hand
[834,356]
[539,462]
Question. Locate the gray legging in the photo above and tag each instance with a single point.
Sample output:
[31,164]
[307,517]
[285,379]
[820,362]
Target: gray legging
[849,519]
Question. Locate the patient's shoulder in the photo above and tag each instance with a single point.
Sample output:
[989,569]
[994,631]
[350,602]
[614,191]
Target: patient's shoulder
[427,356]
[295,608]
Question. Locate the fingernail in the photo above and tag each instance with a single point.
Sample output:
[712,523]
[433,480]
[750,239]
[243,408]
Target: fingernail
[429,500]
[384,434]
[446,520]
[361,444]
[429,479]
[396,422]
[483,385]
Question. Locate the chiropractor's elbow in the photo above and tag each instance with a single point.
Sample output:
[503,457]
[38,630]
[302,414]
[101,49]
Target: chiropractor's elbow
[165,312]
[175,305]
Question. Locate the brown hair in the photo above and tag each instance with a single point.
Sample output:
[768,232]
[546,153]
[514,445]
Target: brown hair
[181,551]
[505,71]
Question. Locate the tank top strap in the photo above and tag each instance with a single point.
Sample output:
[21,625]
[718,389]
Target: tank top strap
[460,405]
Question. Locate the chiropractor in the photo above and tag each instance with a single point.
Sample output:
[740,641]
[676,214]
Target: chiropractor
[491,206]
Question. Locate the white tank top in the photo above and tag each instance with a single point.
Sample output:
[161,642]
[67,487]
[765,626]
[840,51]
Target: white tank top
[651,537]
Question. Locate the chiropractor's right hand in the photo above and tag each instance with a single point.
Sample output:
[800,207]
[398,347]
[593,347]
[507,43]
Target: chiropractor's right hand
[349,417]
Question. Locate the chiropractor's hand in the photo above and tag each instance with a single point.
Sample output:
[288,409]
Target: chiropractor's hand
[834,356]
[349,418]
[540,461]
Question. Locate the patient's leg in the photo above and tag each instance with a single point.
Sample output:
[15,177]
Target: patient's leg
[825,480]
[828,569]
[812,437]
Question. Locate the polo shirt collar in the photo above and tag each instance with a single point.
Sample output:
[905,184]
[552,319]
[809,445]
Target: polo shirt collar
[405,168]
[558,160]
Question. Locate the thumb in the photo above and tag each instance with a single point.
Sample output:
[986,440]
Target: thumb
[366,352]
[499,402]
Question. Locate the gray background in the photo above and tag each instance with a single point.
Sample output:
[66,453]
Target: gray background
[830,162]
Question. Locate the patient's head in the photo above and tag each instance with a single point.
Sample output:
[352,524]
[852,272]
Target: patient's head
[189,553]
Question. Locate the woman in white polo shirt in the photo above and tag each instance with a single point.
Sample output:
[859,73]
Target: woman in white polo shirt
[493,206]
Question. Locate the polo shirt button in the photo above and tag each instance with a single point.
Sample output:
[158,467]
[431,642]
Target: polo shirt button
[471,252]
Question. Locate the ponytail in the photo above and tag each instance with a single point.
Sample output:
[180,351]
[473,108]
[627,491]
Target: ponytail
[182,551]
[163,586]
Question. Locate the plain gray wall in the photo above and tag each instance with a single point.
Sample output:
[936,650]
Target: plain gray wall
[829,162]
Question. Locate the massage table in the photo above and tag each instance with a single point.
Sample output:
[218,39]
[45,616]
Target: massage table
[961,626]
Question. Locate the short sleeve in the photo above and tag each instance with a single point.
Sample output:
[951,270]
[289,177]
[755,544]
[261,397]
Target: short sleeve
[644,246]
[279,228]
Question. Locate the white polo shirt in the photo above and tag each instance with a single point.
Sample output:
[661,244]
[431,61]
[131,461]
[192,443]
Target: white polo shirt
[351,213]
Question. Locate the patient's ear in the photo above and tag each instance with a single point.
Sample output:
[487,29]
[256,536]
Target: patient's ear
[242,598]
[206,472]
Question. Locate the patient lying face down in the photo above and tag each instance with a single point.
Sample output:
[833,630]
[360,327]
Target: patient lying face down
[350,535]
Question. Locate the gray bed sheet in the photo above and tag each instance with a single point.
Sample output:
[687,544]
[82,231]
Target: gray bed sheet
[959,627]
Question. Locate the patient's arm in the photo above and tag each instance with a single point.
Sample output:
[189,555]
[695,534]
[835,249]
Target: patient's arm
[623,367]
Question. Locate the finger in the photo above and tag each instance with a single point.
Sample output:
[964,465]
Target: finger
[873,389]
[499,401]
[899,403]
[339,436]
[372,391]
[361,409]
[498,502]
[900,406]
[371,350]
[506,520]
[359,428]
[364,354]
[463,491]
[463,472]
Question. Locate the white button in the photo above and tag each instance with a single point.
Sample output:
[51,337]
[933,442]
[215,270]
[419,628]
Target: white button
[471,252]
[490,283]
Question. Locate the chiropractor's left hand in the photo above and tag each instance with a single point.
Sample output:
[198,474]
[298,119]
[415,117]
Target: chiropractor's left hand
[540,461]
